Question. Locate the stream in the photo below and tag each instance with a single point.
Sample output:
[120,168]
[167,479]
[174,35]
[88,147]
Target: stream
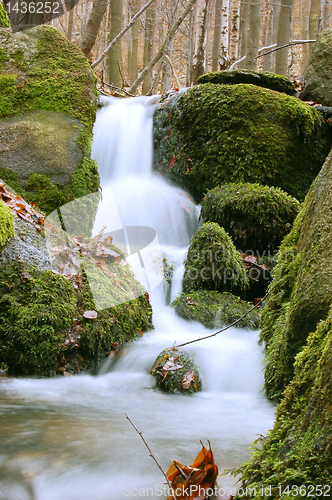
[67,438]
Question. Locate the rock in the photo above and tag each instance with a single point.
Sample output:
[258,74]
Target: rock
[256,217]
[47,111]
[212,262]
[211,134]
[7,230]
[264,79]
[215,310]
[175,372]
[318,72]
[302,285]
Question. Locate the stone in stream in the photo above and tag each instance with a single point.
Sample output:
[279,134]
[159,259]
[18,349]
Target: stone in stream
[176,372]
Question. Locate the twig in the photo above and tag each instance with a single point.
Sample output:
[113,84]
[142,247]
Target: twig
[226,327]
[180,470]
[152,455]
[173,70]
[293,42]
[117,88]
[119,35]
[122,79]
[236,62]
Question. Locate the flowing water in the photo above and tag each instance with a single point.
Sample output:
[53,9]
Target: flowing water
[68,437]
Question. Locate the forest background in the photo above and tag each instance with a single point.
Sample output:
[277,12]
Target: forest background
[213,35]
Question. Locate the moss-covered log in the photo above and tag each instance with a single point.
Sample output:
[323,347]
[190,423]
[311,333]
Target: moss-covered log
[214,134]
[264,79]
[215,310]
[256,217]
[212,262]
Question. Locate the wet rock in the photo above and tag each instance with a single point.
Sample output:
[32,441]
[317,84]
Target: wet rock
[215,310]
[175,372]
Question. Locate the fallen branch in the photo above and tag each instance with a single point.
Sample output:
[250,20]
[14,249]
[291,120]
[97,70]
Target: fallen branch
[119,35]
[226,327]
[152,455]
[292,42]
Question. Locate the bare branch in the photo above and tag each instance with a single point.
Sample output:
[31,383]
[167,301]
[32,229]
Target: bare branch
[117,38]
[292,42]
[226,327]
[152,455]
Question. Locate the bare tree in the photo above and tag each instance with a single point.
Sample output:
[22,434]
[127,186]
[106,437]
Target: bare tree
[199,67]
[217,35]
[234,30]
[284,35]
[92,27]
[148,44]
[115,55]
[254,33]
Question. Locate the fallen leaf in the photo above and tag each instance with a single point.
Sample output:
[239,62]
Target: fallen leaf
[90,314]
[188,379]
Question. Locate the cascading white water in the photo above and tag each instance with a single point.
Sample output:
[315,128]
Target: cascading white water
[68,438]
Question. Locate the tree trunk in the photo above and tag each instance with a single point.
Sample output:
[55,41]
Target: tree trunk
[224,35]
[284,34]
[199,68]
[314,20]
[254,33]
[148,45]
[235,28]
[244,29]
[305,32]
[115,54]
[326,15]
[71,19]
[268,60]
[92,27]
[190,47]
[216,36]
[167,72]
[134,46]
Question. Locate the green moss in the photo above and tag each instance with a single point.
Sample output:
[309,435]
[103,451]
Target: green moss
[256,217]
[42,328]
[6,225]
[302,291]
[56,77]
[265,79]
[171,381]
[212,262]
[214,134]
[215,310]
[4,21]
[298,450]
[318,73]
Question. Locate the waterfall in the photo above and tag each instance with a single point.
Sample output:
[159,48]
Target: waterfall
[69,435]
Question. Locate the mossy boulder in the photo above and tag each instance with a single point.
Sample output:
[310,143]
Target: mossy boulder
[42,327]
[7,229]
[47,111]
[301,288]
[297,453]
[318,72]
[215,310]
[211,134]
[256,217]
[212,262]
[4,21]
[264,79]
[176,372]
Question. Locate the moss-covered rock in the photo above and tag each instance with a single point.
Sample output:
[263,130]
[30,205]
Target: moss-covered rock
[318,72]
[4,21]
[176,372]
[256,217]
[264,79]
[42,328]
[213,134]
[215,310]
[212,262]
[297,453]
[302,290]
[7,229]
[48,98]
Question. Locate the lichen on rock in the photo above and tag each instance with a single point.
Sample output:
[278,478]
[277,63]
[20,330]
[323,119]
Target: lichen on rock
[176,372]
[256,217]
[215,310]
[212,134]
[318,72]
[212,262]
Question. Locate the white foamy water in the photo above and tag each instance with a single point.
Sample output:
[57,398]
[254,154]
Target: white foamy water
[68,437]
